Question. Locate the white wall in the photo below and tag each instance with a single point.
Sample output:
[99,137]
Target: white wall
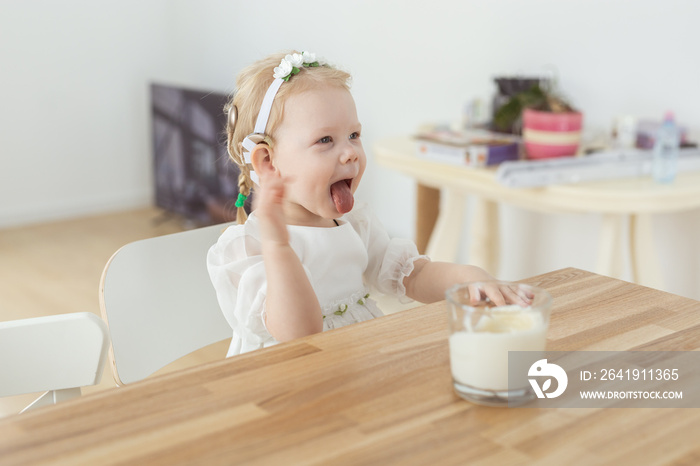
[73,105]
[413,62]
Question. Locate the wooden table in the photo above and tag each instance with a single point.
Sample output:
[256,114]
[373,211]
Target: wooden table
[626,206]
[378,392]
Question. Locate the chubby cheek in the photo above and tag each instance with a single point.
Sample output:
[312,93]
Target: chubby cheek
[317,185]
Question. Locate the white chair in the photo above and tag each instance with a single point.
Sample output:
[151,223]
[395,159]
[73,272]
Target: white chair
[57,354]
[159,303]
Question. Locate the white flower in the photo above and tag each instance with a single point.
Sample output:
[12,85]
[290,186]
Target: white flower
[291,64]
[295,59]
[308,57]
[284,70]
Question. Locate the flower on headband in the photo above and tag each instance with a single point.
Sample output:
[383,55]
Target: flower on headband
[308,57]
[292,63]
[284,70]
[295,59]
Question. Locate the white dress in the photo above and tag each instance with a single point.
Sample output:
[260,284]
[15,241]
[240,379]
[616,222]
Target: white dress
[342,263]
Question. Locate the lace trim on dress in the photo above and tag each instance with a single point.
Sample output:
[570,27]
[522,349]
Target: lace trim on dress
[404,272]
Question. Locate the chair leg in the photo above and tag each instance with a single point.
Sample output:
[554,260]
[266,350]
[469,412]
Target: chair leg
[646,269]
[484,247]
[52,397]
[444,241]
[610,254]
[65,394]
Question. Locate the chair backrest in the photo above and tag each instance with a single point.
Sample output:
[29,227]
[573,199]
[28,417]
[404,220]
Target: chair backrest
[54,353]
[159,303]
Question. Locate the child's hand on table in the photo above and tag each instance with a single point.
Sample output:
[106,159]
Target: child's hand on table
[429,281]
[499,294]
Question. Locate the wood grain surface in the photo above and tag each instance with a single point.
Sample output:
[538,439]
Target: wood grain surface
[378,392]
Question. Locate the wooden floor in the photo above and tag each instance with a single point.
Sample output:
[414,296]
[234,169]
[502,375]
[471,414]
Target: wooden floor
[55,268]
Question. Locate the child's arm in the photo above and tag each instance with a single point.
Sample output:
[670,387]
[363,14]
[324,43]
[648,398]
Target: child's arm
[429,281]
[291,306]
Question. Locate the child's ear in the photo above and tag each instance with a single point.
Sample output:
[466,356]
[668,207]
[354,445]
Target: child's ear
[261,158]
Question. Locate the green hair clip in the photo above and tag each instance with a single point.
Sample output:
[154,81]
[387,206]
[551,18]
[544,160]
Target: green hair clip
[241,200]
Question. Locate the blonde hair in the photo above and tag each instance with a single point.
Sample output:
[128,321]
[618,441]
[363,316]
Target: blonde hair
[251,85]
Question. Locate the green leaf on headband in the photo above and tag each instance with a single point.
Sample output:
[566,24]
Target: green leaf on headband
[313,64]
[295,70]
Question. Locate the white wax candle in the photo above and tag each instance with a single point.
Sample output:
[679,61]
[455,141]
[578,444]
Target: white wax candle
[479,358]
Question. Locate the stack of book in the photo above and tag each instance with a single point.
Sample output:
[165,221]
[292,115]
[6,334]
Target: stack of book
[471,148]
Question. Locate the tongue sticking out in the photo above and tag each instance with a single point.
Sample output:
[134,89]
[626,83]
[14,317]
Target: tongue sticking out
[342,196]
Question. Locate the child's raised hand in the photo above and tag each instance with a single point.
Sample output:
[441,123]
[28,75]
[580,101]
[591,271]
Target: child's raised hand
[269,198]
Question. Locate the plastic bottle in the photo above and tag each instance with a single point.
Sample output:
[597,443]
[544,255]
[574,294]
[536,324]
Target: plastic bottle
[665,163]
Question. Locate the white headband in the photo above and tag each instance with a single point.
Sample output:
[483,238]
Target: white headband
[260,125]
[289,66]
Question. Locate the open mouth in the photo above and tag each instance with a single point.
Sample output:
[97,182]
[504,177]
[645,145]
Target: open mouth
[341,193]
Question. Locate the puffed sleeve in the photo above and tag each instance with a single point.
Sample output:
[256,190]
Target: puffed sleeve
[237,271]
[390,259]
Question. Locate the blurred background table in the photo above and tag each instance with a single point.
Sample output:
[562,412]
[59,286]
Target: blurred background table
[625,204]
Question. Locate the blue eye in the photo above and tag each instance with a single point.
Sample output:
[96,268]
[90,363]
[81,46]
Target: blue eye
[355,135]
[325,140]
